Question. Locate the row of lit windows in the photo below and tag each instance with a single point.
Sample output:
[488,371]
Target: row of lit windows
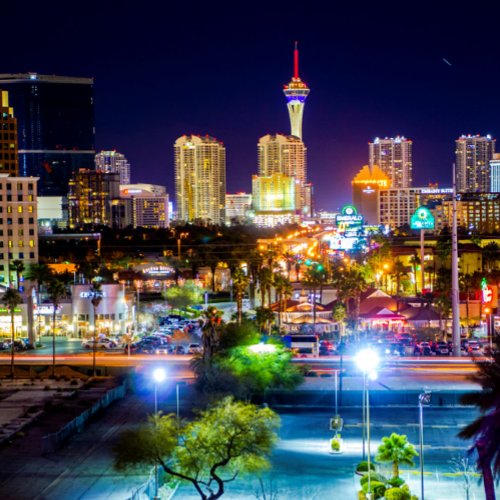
[20,244]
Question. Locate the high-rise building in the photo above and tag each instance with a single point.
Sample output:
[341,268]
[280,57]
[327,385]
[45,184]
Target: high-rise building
[147,205]
[200,179]
[473,155]
[495,173]
[18,224]
[286,155]
[273,199]
[296,93]
[90,198]
[365,188]
[55,121]
[394,157]
[113,162]
[9,163]
[237,207]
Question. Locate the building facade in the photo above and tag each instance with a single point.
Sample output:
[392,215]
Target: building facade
[286,155]
[365,188]
[273,199]
[56,132]
[394,157]
[9,161]
[113,162]
[18,224]
[147,205]
[200,179]
[296,93]
[237,207]
[90,198]
[495,173]
[473,156]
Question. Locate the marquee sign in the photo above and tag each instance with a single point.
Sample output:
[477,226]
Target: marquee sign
[489,294]
[349,217]
[422,218]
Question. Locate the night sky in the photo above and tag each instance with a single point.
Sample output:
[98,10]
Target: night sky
[166,69]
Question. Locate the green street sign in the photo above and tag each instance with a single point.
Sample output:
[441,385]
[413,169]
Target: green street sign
[422,219]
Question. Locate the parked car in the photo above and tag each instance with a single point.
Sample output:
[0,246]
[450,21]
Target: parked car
[194,348]
[103,343]
[425,349]
[473,347]
[442,349]
[179,349]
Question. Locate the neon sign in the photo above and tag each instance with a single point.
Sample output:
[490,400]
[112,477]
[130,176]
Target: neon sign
[486,292]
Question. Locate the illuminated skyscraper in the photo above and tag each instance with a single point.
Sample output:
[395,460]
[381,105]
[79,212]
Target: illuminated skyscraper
[473,155]
[296,93]
[113,162]
[55,123]
[200,179]
[287,155]
[394,157]
[9,163]
[365,190]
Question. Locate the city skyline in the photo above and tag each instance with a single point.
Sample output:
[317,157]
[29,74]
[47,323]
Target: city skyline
[210,73]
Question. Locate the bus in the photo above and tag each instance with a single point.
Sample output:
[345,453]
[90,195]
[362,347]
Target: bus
[303,346]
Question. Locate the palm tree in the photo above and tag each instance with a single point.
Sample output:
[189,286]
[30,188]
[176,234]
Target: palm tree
[339,315]
[210,332]
[240,284]
[284,291]
[95,294]
[11,299]
[314,279]
[264,316]
[56,290]
[40,274]
[485,430]
[265,284]
[398,271]
[415,262]
[397,450]
[18,267]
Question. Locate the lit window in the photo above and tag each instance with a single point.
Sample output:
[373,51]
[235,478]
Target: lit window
[32,243]
[20,209]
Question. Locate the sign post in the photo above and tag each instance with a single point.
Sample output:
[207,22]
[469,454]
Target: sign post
[422,219]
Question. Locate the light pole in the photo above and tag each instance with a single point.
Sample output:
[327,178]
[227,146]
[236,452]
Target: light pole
[424,398]
[367,361]
[159,375]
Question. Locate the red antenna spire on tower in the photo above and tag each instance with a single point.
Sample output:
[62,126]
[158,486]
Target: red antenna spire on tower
[296,62]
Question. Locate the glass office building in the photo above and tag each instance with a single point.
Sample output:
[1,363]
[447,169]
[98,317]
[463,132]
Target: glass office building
[55,121]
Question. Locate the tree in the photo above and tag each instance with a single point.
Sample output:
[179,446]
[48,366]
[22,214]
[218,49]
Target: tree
[56,290]
[397,450]
[491,255]
[485,430]
[11,299]
[180,297]
[398,272]
[339,315]
[314,279]
[240,284]
[95,294]
[265,284]
[415,263]
[40,274]
[263,317]
[212,322]
[18,267]
[284,290]
[227,440]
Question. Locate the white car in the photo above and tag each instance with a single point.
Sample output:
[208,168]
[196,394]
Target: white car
[194,349]
[103,343]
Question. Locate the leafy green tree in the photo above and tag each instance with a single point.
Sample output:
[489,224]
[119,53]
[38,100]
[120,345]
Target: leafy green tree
[339,315]
[11,299]
[485,430]
[180,297]
[240,284]
[397,450]
[56,291]
[491,255]
[228,440]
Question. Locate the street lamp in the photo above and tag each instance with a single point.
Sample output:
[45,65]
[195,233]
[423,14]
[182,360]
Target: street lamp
[367,361]
[424,399]
[159,375]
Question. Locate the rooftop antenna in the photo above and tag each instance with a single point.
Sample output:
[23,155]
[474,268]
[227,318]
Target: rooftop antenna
[296,62]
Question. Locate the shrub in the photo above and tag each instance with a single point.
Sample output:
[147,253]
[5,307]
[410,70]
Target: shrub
[363,466]
[335,444]
[374,476]
[402,493]
[396,482]
[378,489]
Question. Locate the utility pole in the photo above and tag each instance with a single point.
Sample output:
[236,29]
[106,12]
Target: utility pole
[455,304]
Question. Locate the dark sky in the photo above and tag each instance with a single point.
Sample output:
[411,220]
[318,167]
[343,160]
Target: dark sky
[163,69]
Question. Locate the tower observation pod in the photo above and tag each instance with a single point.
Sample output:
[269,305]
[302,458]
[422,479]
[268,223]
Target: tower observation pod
[296,93]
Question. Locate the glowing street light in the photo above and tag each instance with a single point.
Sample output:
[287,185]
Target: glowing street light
[262,348]
[367,361]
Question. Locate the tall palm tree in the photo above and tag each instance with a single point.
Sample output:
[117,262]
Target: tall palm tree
[240,284]
[11,299]
[485,430]
[18,267]
[210,333]
[284,291]
[398,272]
[314,278]
[40,274]
[56,290]
[396,450]
[265,284]
[95,294]
[415,262]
